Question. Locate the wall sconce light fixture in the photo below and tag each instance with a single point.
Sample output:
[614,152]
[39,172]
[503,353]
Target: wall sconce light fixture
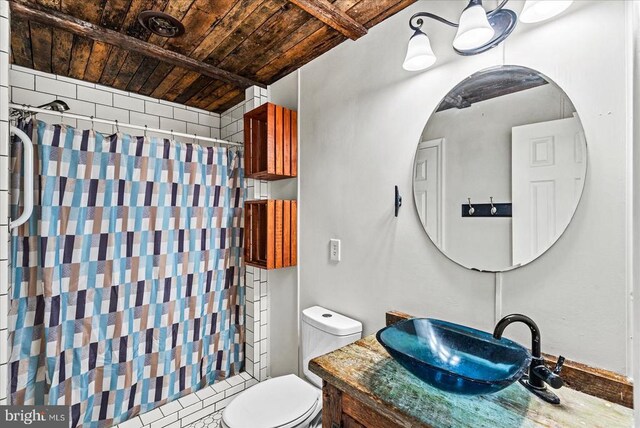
[478,30]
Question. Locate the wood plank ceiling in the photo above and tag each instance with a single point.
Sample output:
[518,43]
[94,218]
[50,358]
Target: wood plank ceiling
[262,40]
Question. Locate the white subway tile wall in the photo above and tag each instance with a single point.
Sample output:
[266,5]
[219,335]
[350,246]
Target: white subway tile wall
[36,88]
[31,87]
[4,196]
[257,285]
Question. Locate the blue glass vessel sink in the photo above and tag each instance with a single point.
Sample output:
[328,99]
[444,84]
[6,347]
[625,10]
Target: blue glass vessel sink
[453,357]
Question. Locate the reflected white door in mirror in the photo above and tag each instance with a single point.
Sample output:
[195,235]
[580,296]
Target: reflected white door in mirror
[428,187]
[500,168]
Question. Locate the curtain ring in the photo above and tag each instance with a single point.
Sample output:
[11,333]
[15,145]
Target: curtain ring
[471,209]
[117,126]
[24,113]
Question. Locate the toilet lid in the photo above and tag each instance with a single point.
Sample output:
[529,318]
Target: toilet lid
[272,403]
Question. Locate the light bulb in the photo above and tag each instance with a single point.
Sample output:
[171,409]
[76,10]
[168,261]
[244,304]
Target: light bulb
[419,53]
[474,29]
[541,10]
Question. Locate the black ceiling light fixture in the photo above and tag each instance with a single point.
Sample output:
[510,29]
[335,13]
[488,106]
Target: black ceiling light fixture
[478,30]
[160,23]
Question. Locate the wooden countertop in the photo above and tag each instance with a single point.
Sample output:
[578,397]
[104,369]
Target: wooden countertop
[365,371]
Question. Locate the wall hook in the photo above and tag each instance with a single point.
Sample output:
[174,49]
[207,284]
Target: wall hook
[491,209]
[397,201]
[92,124]
[117,127]
[145,130]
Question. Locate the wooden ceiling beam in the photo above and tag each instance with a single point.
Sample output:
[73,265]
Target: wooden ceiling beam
[56,19]
[333,17]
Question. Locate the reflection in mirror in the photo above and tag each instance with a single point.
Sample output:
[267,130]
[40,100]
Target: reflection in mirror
[500,168]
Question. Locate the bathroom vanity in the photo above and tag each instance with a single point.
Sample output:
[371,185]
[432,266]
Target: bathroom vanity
[364,387]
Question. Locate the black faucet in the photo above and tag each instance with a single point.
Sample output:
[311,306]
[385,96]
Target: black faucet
[539,373]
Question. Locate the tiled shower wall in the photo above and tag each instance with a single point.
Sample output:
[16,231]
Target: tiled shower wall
[4,194]
[257,299]
[25,86]
[35,88]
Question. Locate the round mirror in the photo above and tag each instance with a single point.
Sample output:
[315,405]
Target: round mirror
[500,168]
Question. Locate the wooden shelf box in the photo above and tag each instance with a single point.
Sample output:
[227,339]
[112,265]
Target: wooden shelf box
[271,143]
[270,233]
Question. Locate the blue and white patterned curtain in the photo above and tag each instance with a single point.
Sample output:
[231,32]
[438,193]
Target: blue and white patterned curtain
[127,280]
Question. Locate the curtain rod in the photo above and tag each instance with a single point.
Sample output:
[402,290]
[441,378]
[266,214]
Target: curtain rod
[18,107]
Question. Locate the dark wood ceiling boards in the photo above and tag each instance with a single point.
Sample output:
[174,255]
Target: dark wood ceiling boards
[255,40]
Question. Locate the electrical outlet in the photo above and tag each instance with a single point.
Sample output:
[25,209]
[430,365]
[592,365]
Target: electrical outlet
[334,250]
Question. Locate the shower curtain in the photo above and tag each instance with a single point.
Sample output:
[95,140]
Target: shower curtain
[127,280]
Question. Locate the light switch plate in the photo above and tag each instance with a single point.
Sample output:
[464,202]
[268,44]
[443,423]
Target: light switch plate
[334,250]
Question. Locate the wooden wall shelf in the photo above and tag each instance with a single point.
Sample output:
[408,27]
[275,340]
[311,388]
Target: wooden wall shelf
[271,143]
[270,233]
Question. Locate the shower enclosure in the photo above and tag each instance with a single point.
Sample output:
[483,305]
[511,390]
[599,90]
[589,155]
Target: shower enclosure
[128,277]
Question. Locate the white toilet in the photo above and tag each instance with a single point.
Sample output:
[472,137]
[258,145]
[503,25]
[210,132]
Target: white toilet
[288,401]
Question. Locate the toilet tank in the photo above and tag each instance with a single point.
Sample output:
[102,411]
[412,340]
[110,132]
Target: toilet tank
[324,331]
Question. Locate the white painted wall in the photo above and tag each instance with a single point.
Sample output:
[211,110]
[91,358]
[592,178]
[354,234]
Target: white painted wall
[478,165]
[361,118]
[633,164]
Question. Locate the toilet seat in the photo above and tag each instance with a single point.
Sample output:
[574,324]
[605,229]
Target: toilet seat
[281,402]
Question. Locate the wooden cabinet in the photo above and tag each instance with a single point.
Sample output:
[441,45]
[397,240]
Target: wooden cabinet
[340,410]
[271,143]
[270,234]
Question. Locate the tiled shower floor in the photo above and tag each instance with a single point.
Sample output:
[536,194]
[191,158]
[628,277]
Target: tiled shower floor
[211,421]
[202,409]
